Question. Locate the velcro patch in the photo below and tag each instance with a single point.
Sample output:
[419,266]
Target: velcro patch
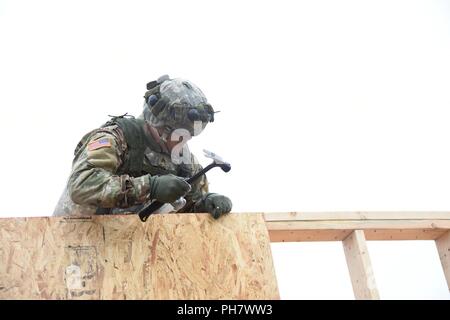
[101,143]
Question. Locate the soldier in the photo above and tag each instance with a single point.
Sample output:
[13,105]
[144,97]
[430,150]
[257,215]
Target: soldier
[128,162]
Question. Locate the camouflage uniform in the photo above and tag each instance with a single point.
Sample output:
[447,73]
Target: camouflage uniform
[102,182]
[95,181]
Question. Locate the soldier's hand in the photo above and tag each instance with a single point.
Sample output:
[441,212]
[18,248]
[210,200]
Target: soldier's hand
[217,204]
[168,188]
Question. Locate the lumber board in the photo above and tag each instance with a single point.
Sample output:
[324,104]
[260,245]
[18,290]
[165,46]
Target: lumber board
[171,256]
[359,225]
[360,267]
[339,235]
[293,228]
[443,246]
[361,215]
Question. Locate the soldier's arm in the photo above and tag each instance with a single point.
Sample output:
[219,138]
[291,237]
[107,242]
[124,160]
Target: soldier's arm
[94,180]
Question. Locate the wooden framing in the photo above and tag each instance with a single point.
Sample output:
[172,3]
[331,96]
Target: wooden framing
[331,226]
[190,256]
[443,246]
[354,228]
[359,266]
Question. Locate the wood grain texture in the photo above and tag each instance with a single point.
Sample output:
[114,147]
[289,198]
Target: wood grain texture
[308,235]
[360,267]
[186,256]
[359,225]
[359,215]
[335,226]
[443,246]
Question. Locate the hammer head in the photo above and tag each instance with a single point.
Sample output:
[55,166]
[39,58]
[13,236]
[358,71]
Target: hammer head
[225,166]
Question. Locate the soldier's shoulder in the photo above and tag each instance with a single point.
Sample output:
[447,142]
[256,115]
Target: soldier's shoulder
[112,131]
[101,148]
[104,137]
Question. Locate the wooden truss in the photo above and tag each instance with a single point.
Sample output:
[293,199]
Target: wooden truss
[354,228]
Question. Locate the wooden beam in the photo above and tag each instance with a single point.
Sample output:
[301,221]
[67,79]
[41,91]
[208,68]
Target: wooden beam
[359,224]
[333,226]
[307,235]
[372,215]
[443,246]
[360,267]
[374,230]
[403,234]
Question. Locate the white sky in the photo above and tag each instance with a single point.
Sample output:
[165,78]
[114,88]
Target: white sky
[326,106]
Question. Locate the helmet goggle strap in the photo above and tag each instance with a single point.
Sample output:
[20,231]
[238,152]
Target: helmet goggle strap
[166,133]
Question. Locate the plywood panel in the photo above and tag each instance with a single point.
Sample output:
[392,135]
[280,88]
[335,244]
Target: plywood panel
[188,256]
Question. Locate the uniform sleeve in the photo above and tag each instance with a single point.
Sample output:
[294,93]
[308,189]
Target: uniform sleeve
[94,181]
[199,188]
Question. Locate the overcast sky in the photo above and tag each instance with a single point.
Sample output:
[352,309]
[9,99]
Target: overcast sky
[325,106]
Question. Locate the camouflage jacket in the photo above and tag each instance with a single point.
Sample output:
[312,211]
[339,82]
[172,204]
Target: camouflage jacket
[98,181]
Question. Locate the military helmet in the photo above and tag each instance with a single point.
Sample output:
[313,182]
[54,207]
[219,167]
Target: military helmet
[177,103]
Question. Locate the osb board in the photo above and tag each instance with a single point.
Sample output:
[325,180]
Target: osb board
[172,256]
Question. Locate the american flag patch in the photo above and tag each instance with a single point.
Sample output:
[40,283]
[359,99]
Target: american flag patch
[97,144]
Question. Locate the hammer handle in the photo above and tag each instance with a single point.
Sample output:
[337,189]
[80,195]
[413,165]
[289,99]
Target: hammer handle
[147,210]
[201,172]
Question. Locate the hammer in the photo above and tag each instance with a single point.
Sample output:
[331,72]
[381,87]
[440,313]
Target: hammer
[148,209]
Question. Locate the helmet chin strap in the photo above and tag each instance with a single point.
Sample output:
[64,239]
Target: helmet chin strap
[165,134]
[160,138]
[162,141]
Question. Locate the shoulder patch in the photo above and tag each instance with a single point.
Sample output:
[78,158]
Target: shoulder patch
[100,143]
